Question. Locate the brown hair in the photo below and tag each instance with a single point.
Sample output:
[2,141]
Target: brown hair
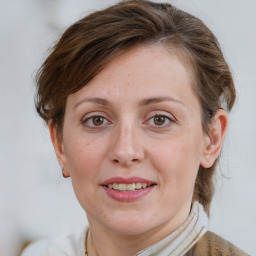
[90,44]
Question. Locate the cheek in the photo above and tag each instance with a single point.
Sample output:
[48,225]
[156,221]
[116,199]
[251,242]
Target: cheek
[177,162]
[83,158]
[83,161]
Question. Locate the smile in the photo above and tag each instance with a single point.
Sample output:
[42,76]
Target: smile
[128,187]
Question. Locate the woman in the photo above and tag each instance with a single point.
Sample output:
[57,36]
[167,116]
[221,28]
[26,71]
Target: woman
[136,98]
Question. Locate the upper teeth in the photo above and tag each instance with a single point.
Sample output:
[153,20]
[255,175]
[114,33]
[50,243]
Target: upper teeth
[127,187]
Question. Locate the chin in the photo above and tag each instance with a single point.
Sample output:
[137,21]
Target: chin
[131,224]
[130,229]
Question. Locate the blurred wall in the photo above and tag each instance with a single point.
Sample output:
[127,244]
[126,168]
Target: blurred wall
[35,201]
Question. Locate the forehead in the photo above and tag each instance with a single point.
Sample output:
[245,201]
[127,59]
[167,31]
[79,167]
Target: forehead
[152,67]
[149,58]
[145,71]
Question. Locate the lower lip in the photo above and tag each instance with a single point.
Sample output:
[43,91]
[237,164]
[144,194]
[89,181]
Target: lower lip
[128,196]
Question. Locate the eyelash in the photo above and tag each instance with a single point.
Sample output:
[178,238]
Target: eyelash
[88,122]
[168,121]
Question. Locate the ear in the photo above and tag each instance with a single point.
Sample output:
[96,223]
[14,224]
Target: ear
[59,149]
[214,139]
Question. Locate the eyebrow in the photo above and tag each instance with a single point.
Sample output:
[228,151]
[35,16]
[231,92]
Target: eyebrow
[97,101]
[145,102]
[155,100]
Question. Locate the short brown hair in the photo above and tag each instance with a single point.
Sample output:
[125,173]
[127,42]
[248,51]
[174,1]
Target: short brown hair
[90,44]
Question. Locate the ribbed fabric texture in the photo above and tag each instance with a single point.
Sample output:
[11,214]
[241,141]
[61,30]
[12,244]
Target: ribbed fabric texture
[183,239]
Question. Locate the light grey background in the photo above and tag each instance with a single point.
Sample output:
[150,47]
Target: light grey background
[35,201]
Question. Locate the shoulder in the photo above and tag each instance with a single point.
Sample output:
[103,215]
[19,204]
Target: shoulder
[39,248]
[60,246]
[212,244]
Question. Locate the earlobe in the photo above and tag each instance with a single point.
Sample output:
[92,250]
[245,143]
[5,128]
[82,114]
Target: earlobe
[214,139]
[59,149]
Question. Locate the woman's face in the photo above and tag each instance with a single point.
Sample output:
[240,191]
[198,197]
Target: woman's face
[133,142]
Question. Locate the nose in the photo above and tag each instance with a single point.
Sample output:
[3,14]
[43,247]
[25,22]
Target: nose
[126,148]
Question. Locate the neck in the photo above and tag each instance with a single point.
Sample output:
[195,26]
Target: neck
[102,241]
[117,244]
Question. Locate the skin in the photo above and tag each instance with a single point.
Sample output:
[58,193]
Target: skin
[128,141]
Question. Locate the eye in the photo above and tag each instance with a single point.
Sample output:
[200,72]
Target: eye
[98,120]
[95,122]
[159,121]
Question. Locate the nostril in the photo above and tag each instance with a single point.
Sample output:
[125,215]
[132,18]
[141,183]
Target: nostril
[126,161]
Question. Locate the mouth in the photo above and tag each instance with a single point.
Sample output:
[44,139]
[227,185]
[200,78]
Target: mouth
[128,187]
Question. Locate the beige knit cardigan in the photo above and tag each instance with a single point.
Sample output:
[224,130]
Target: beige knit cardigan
[211,244]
